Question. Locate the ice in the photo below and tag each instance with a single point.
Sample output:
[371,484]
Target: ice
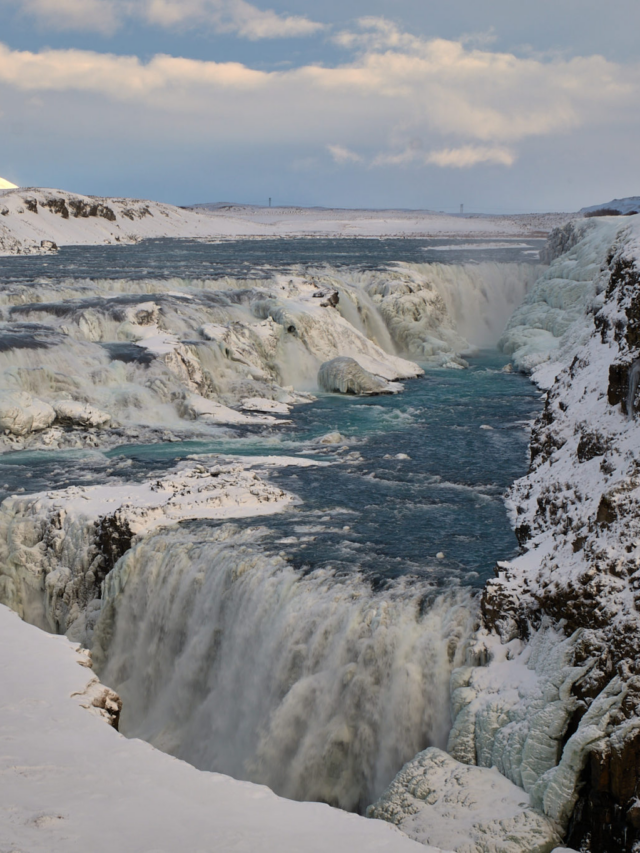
[345,376]
[437,800]
[555,318]
[57,547]
[21,414]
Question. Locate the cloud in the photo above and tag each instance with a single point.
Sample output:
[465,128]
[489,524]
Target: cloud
[238,17]
[229,16]
[471,155]
[399,100]
[342,155]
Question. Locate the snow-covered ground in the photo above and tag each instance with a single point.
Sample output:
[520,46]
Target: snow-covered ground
[33,218]
[70,783]
[624,206]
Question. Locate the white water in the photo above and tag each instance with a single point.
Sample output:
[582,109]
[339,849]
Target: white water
[313,685]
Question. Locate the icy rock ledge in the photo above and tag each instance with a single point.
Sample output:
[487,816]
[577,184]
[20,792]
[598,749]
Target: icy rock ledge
[56,547]
[345,376]
[439,801]
[20,413]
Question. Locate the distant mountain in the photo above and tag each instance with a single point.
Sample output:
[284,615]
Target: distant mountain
[621,206]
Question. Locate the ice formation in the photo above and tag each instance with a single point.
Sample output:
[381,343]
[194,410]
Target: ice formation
[437,800]
[555,318]
[56,548]
[311,684]
[87,363]
[345,376]
[439,312]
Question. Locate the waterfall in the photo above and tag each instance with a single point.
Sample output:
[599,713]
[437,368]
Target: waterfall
[634,378]
[313,684]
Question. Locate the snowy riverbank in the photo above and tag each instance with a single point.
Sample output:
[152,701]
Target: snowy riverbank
[33,218]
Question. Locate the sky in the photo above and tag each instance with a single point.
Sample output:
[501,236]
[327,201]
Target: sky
[500,105]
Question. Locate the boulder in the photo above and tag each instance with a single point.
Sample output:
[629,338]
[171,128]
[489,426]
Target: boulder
[20,413]
[344,375]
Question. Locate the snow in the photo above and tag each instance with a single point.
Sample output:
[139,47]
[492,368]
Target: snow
[7,185]
[289,221]
[30,216]
[50,568]
[345,376]
[70,783]
[631,204]
[437,800]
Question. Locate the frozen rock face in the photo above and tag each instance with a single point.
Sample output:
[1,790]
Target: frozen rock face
[345,376]
[72,412]
[439,313]
[56,548]
[555,318]
[437,800]
[557,709]
[21,414]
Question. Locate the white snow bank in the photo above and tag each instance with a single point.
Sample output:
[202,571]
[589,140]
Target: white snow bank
[7,185]
[70,783]
[437,800]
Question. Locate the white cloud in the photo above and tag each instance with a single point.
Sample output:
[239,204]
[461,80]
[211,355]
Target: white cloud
[471,155]
[342,155]
[223,16]
[229,16]
[413,102]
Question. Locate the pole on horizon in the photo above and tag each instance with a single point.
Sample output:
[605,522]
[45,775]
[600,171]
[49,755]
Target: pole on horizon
[462,208]
[269,201]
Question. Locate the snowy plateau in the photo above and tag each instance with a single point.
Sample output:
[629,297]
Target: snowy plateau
[541,680]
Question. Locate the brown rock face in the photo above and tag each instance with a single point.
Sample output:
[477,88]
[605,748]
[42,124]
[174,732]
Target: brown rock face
[607,816]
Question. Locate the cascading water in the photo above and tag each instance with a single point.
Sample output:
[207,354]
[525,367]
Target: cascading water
[313,685]
[633,382]
[284,669]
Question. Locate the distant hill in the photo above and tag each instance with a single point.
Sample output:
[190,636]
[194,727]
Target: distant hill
[621,206]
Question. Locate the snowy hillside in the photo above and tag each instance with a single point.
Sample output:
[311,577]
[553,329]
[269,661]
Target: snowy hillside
[624,206]
[31,217]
